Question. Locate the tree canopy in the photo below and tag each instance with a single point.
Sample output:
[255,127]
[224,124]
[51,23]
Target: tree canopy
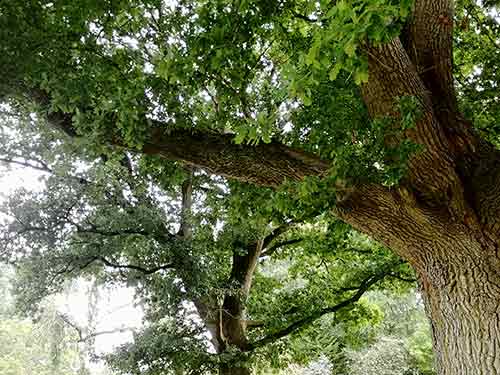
[187,146]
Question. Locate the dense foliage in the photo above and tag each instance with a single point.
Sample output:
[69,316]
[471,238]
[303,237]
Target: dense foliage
[135,112]
[116,219]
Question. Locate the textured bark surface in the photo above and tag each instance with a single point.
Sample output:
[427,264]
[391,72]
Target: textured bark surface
[444,219]
[264,164]
[459,272]
[463,306]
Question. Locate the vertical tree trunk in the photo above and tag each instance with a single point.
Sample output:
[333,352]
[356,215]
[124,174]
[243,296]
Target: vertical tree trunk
[463,303]
[458,264]
[229,370]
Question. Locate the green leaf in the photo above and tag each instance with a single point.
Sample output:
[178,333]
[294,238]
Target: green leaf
[360,76]
[334,72]
[350,47]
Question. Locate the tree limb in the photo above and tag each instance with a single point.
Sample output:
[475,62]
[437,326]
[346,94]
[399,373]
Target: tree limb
[264,164]
[146,271]
[304,322]
[186,230]
[304,18]
[82,337]
[402,278]
[276,232]
[27,164]
[272,249]
[125,232]
[428,41]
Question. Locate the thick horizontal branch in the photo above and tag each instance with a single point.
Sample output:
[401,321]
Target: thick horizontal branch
[264,164]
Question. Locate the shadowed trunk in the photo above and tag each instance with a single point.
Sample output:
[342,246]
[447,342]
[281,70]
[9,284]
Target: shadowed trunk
[228,370]
[233,322]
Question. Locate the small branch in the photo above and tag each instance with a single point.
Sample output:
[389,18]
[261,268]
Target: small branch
[145,271]
[250,324]
[124,232]
[68,269]
[94,230]
[42,167]
[480,25]
[360,251]
[304,18]
[73,325]
[79,330]
[401,278]
[278,231]
[271,250]
[110,332]
[214,100]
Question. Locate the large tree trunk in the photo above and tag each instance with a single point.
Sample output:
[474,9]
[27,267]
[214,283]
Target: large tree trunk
[444,218]
[463,306]
[458,263]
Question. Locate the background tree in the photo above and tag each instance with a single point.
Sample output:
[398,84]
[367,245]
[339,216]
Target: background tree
[250,90]
[44,347]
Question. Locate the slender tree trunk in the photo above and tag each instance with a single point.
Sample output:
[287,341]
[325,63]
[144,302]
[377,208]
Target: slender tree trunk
[229,370]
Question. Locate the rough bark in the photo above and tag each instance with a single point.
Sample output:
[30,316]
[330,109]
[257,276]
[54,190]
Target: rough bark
[264,164]
[444,217]
[458,267]
[393,75]
[463,306]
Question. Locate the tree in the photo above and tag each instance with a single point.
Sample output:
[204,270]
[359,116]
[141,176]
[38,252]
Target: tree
[354,99]
[44,347]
